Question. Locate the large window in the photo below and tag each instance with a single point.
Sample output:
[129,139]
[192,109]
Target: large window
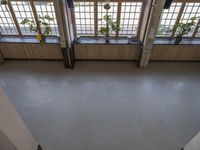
[101,12]
[23,10]
[168,20]
[190,10]
[178,12]
[11,16]
[130,16]
[84,13]
[198,33]
[7,25]
[47,8]
[88,17]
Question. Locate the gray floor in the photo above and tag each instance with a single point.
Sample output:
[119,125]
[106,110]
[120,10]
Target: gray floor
[106,105]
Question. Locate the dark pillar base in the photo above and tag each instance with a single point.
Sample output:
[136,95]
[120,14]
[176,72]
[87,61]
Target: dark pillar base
[39,147]
[1,58]
[68,57]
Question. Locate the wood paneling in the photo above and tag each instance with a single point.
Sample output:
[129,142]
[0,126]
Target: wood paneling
[100,52]
[31,51]
[106,52]
[176,52]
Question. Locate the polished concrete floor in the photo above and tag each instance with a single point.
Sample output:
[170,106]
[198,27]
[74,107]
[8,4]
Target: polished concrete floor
[106,105]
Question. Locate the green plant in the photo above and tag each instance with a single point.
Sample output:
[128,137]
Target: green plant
[182,29]
[163,30]
[110,24]
[44,23]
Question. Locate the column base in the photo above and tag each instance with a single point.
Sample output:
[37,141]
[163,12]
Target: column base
[144,59]
[39,147]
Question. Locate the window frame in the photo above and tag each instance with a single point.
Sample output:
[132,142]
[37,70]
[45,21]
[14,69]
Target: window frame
[178,19]
[9,21]
[119,5]
[35,17]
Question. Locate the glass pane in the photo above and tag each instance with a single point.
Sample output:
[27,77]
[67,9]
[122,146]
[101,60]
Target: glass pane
[7,25]
[47,8]
[130,16]
[23,10]
[168,20]
[190,10]
[84,14]
[102,12]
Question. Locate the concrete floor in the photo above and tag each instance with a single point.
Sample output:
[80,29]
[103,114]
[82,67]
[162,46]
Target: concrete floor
[106,105]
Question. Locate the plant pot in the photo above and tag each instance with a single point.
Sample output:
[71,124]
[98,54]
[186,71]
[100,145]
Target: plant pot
[178,39]
[41,38]
[107,39]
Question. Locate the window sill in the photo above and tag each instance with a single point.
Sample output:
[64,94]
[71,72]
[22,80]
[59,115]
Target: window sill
[101,41]
[169,41]
[30,40]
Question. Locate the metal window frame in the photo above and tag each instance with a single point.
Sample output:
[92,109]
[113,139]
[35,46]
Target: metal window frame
[34,11]
[113,12]
[139,19]
[14,18]
[51,12]
[181,12]
[196,28]
[13,23]
[117,19]
[87,33]
[179,16]
[176,21]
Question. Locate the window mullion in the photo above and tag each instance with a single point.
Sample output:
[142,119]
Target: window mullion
[119,7]
[14,18]
[96,18]
[179,17]
[196,29]
[35,16]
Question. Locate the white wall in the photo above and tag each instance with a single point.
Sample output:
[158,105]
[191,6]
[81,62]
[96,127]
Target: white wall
[13,127]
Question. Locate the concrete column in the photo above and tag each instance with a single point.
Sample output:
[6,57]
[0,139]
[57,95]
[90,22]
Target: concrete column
[65,33]
[14,134]
[153,22]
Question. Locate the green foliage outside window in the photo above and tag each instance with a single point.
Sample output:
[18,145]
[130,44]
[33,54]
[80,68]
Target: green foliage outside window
[110,24]
[182,29]
[44,23]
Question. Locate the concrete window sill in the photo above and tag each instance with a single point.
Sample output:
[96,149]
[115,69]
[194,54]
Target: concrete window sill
[101,41]
[169,41]
[31,40]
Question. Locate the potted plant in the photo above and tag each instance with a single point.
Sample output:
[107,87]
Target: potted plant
[182,29]
[44,23]
[110,24]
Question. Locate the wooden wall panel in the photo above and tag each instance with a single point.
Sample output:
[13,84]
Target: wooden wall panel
[176,52]
[106,52]
[31,51]
[100,52]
